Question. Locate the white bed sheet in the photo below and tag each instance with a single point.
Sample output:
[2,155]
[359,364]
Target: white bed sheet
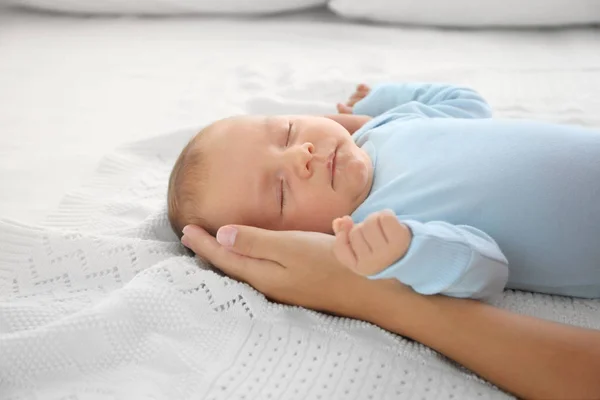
[72,89]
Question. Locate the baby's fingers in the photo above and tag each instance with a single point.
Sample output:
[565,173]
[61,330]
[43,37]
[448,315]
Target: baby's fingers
[343,250]
[344,109]
[374,234]
[343,223]
[359,243]
[363,88]
[361,92]
[391,227]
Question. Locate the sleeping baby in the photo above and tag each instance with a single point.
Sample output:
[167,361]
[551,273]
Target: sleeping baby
[417,182]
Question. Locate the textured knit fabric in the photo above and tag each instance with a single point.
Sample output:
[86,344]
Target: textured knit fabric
[102,302]
[479,193]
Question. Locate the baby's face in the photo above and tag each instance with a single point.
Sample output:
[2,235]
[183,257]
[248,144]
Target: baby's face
[283,173]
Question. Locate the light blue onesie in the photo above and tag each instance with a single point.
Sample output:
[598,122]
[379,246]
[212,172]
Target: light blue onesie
[491,203]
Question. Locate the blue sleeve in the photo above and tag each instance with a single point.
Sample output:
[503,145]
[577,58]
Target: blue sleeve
[454,260]
[429,100]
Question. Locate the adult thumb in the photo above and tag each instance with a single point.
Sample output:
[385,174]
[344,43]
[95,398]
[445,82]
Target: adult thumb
[248,241]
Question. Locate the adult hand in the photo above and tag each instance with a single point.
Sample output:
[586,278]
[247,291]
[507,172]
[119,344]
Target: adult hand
[291,267]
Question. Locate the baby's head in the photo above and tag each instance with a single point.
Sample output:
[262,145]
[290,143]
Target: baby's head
[279,173]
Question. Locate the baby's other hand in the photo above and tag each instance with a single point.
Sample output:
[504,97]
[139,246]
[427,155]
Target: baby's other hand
[373,245]
[361,92]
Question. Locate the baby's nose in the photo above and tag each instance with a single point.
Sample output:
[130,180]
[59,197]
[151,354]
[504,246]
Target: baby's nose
[304,157]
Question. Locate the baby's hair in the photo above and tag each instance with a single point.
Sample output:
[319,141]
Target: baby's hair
[186,185]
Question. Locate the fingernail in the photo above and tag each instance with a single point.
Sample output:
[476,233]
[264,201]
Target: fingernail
[226,236]
[185,241]
[185,229]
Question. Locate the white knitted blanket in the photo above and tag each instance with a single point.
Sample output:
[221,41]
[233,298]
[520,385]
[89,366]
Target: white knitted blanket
[104,303]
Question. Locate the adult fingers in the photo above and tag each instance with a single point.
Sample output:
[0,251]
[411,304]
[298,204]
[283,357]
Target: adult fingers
[235,265]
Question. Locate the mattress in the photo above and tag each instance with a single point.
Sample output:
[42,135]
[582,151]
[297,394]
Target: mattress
[74,89]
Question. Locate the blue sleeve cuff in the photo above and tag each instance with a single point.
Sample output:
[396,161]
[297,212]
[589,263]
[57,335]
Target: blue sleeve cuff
[381,98]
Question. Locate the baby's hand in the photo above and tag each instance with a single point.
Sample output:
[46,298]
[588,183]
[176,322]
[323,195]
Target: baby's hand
[361,91]
[373,245]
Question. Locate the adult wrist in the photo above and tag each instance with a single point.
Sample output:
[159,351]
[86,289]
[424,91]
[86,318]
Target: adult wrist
[391,305]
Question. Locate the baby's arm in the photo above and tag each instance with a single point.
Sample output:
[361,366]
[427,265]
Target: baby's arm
[434,257]
[352,123]
[433,100]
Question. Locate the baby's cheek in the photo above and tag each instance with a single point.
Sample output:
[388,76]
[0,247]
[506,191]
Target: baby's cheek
[313,215]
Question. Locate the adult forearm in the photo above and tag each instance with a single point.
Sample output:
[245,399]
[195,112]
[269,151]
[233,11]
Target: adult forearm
[529,357]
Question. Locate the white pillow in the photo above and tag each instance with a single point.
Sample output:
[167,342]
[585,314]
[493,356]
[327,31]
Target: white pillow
[168,7]
[472,13]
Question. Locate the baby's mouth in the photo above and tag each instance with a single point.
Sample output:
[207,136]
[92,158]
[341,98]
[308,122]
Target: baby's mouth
[331,165]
